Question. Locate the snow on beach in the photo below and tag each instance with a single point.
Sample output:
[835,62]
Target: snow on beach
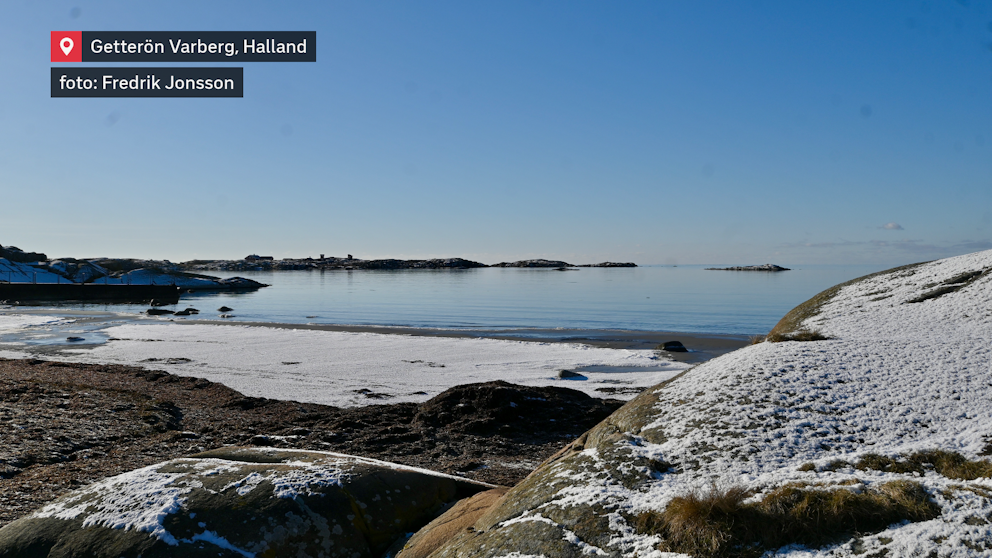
[907,368]
[11,323]
[351,369]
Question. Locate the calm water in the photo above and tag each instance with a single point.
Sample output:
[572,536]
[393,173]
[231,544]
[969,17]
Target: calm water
[684,298]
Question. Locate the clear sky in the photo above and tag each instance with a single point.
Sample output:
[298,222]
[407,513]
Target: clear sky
[656,132]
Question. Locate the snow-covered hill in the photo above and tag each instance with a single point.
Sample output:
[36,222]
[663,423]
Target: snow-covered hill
[893,409]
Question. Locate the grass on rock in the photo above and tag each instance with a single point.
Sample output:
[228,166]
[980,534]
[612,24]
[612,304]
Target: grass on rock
[948,464]
[952,465]
[719,523]
[801,335]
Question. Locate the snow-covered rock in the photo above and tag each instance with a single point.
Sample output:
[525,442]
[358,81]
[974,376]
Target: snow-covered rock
[77,271]
[906,368]
[179,279]
[15,272]
[240,502]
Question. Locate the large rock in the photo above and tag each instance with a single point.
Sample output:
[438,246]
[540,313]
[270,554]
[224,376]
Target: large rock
[721,460]
[240,502]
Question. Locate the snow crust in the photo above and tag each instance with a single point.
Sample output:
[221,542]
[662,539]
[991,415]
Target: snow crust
[332,368]
[12,323]
[895,377]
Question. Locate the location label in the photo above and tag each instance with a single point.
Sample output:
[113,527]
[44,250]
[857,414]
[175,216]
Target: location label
[67,46]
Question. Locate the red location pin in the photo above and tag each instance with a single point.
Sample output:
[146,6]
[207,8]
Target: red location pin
[67,46]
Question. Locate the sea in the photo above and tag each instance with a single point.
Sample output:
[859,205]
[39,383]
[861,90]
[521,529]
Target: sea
[685,298]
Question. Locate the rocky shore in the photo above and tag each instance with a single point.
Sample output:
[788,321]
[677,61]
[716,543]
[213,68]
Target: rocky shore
[267,264]
[65,425]
[17,265]
[20,268]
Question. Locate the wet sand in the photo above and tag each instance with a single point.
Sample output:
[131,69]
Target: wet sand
[701,346]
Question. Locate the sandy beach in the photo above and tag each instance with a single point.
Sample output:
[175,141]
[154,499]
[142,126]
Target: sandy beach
[350,366]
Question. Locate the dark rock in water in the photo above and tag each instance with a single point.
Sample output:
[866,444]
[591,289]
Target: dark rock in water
[240,502]
[240,283]
[673,347]
[192,310]
[74,339]
[158,311]
[184,313]
[158,303]
[569,375]
[226,316]
[763,267]
[225,309]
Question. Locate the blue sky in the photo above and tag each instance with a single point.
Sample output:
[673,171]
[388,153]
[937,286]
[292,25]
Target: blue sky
[654,132]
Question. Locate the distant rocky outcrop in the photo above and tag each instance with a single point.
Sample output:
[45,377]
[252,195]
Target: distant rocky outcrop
[447,263]
[762,267]
[266,263]
[15,254]
[325,263]
[534,263]
[240,501]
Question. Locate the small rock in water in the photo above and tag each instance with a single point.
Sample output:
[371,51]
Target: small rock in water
[74,339]
[183,313]
[569,375]
[311,317]
[227,315]
[158,311]
[673,347]
[225,309]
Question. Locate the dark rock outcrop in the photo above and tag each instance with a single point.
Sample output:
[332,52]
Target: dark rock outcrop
[534,263]
[762,267]
[15,254]
[610,264]
[240,501]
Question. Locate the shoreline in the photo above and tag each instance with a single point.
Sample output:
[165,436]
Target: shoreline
[702,346]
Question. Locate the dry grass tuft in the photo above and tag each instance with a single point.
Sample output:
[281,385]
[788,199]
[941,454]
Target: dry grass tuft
[801,335]
[949,464]
[719,524]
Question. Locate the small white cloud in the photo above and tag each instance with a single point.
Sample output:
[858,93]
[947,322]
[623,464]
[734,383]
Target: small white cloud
[893,227]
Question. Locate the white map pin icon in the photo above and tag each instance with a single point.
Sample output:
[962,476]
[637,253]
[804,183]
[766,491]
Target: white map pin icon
[66,44]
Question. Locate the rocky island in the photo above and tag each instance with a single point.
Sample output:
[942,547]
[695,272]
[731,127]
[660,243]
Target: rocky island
[268,263]
[763,267]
